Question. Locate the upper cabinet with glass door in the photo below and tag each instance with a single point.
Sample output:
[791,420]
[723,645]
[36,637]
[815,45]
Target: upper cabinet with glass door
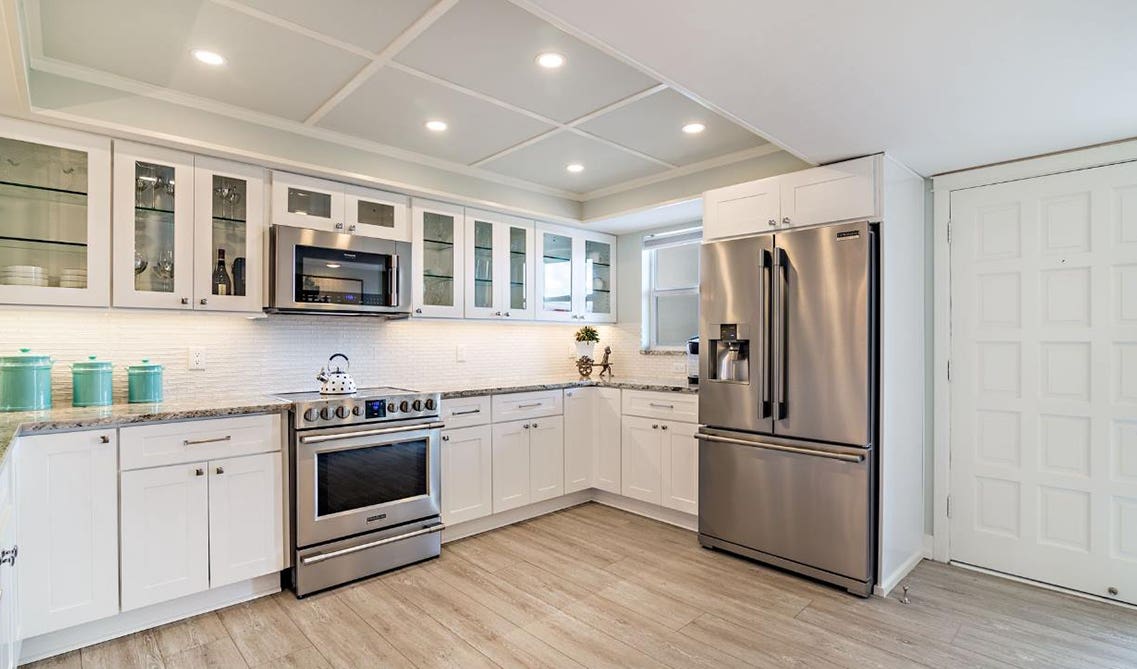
[54,216]
[576,279]
[438,259]
[153,227]
[305,202]
[499,266]
[228,235]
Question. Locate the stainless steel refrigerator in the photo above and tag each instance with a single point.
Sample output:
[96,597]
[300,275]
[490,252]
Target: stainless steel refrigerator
[787,400]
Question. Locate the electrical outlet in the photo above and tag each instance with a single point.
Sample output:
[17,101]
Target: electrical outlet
[196,359]
[460,353]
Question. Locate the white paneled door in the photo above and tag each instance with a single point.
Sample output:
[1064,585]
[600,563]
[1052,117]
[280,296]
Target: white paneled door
[1044,379]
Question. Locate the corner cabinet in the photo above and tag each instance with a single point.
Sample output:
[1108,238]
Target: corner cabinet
[576,278]
[306,202]
[498,260]
[438,259]
[188,231]
[55,226]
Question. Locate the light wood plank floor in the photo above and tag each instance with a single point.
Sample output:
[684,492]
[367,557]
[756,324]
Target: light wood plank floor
[595,586]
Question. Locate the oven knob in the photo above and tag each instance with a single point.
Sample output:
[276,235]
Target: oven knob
[417,405]
[430,405]
[311,415]
[356,411]
[342,412]
[404,406]
[391,408]
[326,413]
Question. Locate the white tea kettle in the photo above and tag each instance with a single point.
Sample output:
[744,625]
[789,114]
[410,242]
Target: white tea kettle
[335,379]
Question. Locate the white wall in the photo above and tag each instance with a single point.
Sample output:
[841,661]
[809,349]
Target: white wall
[283,353]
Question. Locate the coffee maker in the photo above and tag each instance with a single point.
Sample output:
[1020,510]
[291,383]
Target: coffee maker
[693,361]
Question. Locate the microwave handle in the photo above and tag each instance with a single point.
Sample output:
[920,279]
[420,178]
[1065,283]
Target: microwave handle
[393,281]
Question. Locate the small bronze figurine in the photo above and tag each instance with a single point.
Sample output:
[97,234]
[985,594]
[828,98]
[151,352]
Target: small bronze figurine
[605,366]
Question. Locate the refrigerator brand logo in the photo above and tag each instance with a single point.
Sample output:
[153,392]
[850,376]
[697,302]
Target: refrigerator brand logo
[849,234]
[372,519]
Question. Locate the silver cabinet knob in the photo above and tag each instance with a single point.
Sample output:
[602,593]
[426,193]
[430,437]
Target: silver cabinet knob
[351,228]
[497,313]
[339,226]
[507,314]
[663,427]
[445,437]
[786,220]
[534,426]
[199,472]
[220,470]
[419,310]
[772,222]
[185,300]
[525,426]
[655,427]
[204,301]
[104,439]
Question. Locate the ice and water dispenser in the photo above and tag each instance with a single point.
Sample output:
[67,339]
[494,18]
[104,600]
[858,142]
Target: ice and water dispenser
[730,354]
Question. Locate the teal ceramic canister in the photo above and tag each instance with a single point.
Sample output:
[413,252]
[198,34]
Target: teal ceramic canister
[144,382]
[25,381]
[91,383]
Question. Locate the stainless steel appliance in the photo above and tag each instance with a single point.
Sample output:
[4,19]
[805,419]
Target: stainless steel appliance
[788,400]
[365,484]
[312,271]
[693,360]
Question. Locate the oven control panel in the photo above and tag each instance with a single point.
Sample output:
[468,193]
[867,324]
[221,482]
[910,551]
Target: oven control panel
[350,410]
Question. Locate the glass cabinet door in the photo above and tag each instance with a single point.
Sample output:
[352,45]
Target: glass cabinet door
[375,213]
[482,299]
[437,250]
[305,202]
[598,303]
[518,302]
[153,227]
[555,278]
[229,233]
[54,236]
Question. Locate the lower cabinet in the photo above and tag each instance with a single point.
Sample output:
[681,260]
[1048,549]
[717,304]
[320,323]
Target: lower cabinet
[580,436]
[467,474]
[192,526]
[9,615]
[606,457]
[546,458]
[641,444]
[67,510]
[510,465]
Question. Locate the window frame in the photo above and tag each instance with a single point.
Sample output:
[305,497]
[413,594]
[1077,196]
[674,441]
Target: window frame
[649,329]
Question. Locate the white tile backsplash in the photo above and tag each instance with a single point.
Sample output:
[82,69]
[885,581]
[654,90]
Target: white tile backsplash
[283,353]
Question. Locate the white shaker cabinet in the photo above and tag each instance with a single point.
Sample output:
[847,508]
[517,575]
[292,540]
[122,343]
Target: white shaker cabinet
[67,510]
[510,465]
[306,202]
[499,267]
[679,467]
[438,259]
[546,458]
[165,533]
[229,219]
[640,470]
[246,535]
[607,442]
[580,432]
[576,277]
[839,192]
[9,592]
[467,474]
[742,209]
[375,213]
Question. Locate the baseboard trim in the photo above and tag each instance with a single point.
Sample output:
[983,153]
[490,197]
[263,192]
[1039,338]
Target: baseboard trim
[890,581]
[1043,585]
[653,511]
[929,547]
[129,622]
[496,520]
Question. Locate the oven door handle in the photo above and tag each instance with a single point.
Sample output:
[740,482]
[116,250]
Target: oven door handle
[370,433]
[372,544]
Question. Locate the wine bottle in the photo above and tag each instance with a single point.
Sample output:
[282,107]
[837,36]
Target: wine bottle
[222,284]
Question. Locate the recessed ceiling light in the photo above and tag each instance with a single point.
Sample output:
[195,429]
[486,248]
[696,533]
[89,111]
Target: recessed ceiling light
[550,60]
[574,167]
[208,57]
[694,128]
[436,126]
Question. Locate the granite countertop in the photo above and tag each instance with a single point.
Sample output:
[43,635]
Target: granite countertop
[76,418]
[522,385]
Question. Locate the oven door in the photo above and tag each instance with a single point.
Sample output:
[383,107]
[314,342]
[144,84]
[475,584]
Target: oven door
[321,271]
[352,480]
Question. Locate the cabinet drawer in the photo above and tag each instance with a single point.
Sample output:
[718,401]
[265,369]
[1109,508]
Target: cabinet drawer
[520,406]
[465,411]
[668,406]
[194,441]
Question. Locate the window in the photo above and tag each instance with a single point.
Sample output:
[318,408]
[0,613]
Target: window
[671,288]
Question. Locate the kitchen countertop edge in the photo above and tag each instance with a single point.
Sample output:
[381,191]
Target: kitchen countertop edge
[630,384]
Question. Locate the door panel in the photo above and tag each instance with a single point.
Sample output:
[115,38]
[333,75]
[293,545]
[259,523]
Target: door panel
[438,258]
[580,436]
[165,534]
[640,469]
[822,339]
[841,192]
[607,443]
[679,467]
[246,524]
[467,474]
[546,458]
[510,466]
[1044,362]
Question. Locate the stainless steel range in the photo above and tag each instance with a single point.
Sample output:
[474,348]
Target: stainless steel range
[365,484]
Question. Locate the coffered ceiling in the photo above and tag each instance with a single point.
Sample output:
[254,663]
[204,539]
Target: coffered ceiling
[378,70]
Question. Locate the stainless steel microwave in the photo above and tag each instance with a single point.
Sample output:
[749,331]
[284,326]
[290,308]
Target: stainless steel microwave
[312,271]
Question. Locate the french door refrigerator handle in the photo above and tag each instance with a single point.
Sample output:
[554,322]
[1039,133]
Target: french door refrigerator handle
[764,330]
[781,331]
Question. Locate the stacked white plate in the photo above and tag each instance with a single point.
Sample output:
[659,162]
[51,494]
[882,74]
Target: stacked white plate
[23,275]
[73,278]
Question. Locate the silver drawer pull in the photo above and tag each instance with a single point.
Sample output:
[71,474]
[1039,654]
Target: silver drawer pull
[529,406]
[373,544]
[466,413]
[658,405]
[844,457]
[195,442]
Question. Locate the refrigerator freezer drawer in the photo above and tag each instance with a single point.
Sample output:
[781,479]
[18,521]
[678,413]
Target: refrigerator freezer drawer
[809,505]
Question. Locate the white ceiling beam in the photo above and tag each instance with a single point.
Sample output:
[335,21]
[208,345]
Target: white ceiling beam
[472,93]
[293,27]
[520,145]
[436,11]
[718,161]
